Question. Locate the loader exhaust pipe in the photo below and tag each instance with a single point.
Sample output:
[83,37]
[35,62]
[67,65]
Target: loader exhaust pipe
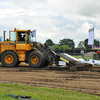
[4,34]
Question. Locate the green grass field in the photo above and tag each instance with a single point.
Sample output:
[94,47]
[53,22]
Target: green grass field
[78,57]
[42,93]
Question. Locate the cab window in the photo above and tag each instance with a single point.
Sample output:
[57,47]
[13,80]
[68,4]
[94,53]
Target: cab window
[13,36]
[21,37]
[29,37]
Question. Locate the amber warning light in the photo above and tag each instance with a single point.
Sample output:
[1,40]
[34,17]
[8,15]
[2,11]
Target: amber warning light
[14,29]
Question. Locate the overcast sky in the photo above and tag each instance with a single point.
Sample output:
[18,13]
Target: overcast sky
[52,19]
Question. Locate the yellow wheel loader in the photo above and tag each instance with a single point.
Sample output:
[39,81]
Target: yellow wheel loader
[20,48]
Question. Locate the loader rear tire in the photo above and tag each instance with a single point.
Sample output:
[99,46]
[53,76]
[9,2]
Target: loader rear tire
[36,59]
[9,59]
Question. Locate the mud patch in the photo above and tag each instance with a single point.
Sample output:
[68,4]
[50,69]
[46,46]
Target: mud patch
[86,80]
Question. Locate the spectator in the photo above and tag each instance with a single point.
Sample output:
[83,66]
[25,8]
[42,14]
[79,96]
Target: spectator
[82,53]
[98,53]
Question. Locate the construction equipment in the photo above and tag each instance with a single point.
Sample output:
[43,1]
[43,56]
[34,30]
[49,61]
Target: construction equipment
[20,48]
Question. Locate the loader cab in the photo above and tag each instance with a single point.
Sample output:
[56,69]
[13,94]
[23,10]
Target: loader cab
[20,36]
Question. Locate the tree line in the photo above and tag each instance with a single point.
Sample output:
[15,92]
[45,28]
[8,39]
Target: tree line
[69,44]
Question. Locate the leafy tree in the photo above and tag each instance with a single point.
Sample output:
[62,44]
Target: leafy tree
[81,45]
[76,48]
[63,42]
[64,47]
[86,44]
[57,47]
[68,42]
[96,43]
[49,42]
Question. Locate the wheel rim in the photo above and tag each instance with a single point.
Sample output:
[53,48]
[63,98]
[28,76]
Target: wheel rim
[34,59]
[9,59]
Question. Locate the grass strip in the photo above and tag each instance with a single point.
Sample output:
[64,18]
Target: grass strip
[42,93]
[78,57]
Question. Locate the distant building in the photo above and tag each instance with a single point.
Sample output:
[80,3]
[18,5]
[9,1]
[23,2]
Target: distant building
[52,47]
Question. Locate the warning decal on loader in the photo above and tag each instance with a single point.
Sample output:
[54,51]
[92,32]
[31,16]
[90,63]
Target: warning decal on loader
[61,58]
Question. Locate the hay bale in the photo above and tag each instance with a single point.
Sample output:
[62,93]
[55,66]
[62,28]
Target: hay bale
[89,54]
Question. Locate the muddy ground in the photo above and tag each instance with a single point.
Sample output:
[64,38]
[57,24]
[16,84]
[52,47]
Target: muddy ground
[88,80]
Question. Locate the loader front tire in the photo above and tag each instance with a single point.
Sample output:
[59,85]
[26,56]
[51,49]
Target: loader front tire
[9,59]
[36,59]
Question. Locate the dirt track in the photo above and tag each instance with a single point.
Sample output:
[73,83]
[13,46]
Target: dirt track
[24,74]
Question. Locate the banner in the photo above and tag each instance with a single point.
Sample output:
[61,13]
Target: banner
[91,37]
[33,33]
[96,47]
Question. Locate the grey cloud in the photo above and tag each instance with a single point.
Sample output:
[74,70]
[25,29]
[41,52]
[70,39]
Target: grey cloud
[89,8]
[43,15]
